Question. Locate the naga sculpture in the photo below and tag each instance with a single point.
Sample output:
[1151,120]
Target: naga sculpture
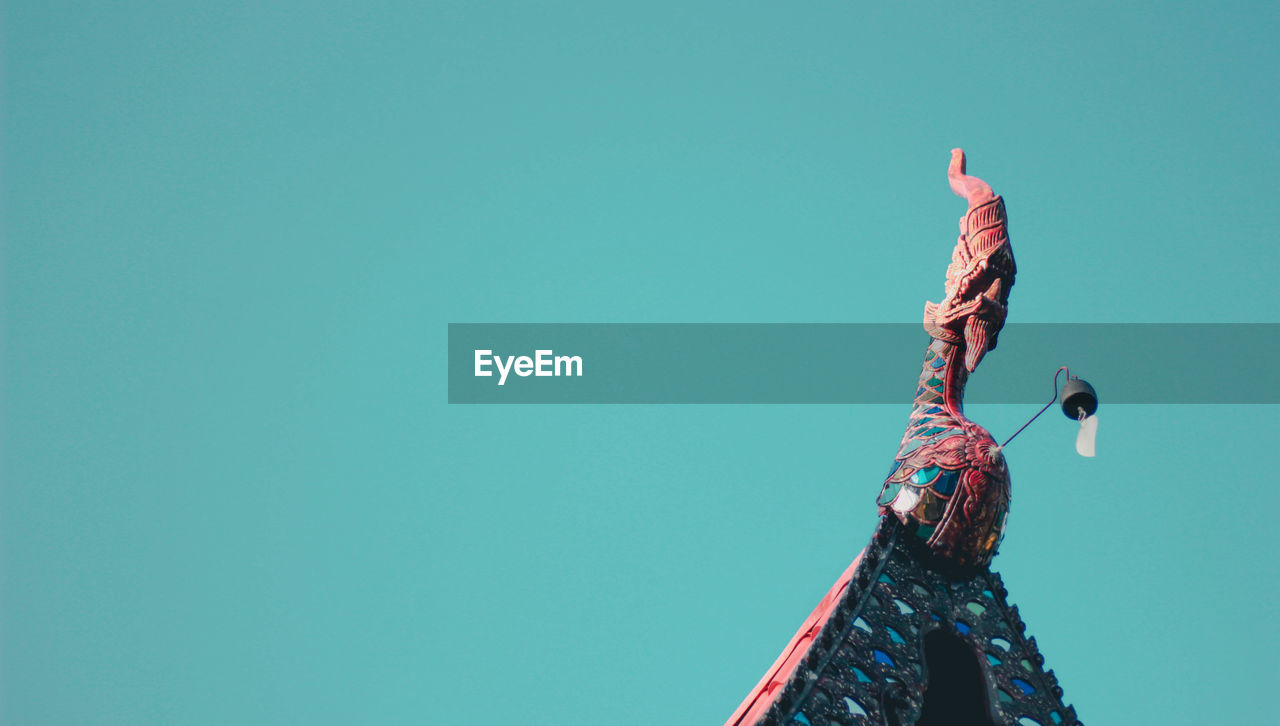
[918,630]
[949,477]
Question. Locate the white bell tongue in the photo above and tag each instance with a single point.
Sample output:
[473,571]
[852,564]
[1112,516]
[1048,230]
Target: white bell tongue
[1087,435]
[1077,395]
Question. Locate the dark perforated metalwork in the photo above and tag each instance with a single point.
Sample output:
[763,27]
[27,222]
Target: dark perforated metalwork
[868,667]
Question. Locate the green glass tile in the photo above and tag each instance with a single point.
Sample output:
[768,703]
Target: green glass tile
[976,608]
[893,469]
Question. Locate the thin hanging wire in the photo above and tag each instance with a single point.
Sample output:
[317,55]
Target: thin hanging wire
[1046,406]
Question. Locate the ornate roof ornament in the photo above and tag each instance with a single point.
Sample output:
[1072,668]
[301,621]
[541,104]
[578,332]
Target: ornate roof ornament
[919,630]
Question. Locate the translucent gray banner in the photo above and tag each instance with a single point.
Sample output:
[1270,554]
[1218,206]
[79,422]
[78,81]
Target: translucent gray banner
[850,363]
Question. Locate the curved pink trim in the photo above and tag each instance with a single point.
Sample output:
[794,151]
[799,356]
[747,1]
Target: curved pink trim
[763,695]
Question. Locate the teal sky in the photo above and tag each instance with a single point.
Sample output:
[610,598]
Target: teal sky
[234,234]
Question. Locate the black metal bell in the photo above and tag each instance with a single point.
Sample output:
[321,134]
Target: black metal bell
[1076,395]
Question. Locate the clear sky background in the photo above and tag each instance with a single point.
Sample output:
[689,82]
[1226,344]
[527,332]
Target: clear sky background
[235,232]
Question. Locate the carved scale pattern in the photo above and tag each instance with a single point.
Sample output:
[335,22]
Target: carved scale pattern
[867,666]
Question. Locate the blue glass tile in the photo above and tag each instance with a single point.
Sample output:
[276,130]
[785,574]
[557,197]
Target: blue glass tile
[963,627]
[938,363]
[925,475]
[884,577]
[988,594]
[861,624]
[933,410]
[946,484]
[895,636]
[1025,687]
[883,657]
[1056,718]
[894,468]
[862,677]
[801,718]
[993,660]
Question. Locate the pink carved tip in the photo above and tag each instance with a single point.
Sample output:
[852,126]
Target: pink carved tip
[971,188]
